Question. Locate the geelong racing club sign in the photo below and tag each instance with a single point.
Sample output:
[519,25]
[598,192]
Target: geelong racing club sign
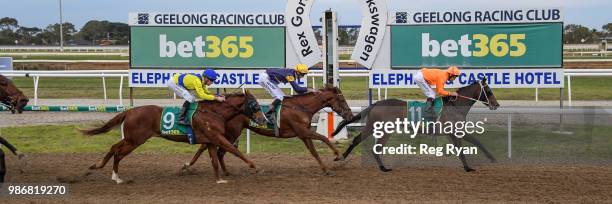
[373,27]
[300,31]
[205,19]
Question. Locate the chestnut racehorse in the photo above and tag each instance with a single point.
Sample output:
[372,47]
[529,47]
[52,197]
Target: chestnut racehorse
[11,97]
[296,116]
[209,121]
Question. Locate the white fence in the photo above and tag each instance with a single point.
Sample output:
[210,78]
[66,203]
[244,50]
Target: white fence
[112,48]
[36,75]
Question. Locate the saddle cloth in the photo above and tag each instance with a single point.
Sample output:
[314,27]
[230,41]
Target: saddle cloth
[170,122]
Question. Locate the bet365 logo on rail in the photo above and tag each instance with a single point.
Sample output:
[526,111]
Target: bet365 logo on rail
[207,47]
[475,45]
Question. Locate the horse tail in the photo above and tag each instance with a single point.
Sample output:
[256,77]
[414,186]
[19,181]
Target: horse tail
[357,117]
[118,119]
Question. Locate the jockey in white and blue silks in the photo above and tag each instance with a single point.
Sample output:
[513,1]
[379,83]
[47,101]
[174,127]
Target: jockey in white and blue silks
[273,77]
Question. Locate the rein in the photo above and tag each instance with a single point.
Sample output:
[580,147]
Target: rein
[487,102]
[246,104]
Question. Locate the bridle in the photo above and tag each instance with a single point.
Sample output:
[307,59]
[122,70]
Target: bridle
[327,101]
[487,102]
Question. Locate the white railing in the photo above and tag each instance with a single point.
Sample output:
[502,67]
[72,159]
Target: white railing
[112,48]
[36,75]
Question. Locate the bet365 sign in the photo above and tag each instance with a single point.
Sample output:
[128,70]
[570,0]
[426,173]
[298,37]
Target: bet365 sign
[503,45]
[224,47]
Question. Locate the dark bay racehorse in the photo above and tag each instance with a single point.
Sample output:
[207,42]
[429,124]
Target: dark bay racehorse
[454,109]
[11,97]
[296,117]
[209,121]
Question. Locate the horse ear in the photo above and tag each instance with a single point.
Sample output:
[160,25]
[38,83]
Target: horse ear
[484,80]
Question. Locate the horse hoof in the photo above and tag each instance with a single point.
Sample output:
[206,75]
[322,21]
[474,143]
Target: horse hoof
[468,169]
[221,181]
[119,181]
[94,166]
[340,158]
[384,169]
[330,173]
[255,171]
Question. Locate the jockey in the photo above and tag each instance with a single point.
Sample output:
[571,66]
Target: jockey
[272,77]
[183,84]
[426,77]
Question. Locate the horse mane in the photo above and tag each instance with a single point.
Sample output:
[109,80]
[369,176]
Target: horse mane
[468,86]
[235,94]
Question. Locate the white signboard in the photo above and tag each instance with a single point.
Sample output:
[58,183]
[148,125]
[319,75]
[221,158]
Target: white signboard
[227,78]
[477,16]
[300,32]
[373,28]
[496,78]
[205,19]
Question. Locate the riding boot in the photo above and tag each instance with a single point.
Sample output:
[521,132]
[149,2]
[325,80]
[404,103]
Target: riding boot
[430,113]
[271,113]
[183,117]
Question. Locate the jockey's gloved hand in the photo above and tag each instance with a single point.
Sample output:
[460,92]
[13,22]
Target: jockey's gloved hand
[313,90]
[220,98]
[454,94]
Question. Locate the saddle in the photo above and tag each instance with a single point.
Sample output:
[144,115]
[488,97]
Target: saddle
[170,122]
[270,124]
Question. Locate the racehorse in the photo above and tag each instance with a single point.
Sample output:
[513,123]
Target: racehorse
[142,123]
[454,109]
[296,115]
[11,97]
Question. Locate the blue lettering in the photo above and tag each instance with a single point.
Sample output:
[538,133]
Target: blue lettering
[506,78]
[135,78]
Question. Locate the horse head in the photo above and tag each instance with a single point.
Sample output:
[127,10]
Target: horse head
[248,105]
[486,95]
[11,96]
[335,99]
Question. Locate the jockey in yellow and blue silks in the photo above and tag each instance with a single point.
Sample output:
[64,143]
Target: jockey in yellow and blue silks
[184,84]
[272,77]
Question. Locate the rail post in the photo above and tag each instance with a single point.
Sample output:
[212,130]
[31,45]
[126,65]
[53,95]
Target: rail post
[509,136]
[121,90]
[569,90]
[104,86]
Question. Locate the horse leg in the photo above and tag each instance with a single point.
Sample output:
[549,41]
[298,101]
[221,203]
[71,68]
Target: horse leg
[356,141]
[195,158]
[123,150]
[457,142]
[229,147]
[315,154]
[382,141]
[475,141]
[212,152]
[309,134]
[110,153]
[221,155]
